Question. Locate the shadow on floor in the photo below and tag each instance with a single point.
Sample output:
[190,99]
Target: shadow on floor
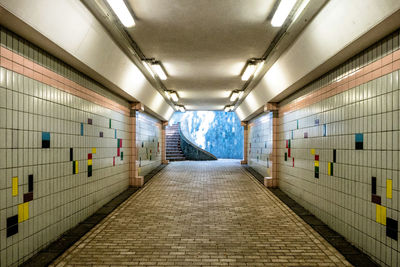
[350,252]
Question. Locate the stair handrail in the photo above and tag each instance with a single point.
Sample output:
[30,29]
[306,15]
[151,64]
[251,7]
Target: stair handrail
[186,139]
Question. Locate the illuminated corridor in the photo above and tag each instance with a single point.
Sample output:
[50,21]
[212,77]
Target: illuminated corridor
[202,214]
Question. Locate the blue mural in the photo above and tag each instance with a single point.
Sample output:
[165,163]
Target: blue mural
[217,132]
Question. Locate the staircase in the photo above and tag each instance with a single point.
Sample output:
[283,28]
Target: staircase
[173,144]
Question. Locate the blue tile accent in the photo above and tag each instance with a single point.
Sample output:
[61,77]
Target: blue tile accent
[359,137]
[316,121]
[82,129]
[45,136]
[115,133]
[324,130]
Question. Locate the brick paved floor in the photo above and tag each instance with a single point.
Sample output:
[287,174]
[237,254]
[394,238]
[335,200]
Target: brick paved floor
[202,214]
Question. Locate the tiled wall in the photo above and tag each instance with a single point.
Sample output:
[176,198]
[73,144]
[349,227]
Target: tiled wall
[58,150]
[342,133]
[148,143]
[260,144]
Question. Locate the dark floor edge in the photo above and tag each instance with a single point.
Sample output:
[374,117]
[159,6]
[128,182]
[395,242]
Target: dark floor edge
[352,254]
[49,254]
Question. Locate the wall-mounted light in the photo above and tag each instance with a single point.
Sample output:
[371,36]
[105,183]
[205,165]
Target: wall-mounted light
[234,96]
[259,67]
[180,108]
[248,72]
[282,12]
[174,96]
[146,65]
[228,108]
[300,9]
[159,70]
[121,10]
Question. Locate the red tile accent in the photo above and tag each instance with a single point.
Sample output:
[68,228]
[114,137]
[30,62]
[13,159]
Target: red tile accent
[89,156]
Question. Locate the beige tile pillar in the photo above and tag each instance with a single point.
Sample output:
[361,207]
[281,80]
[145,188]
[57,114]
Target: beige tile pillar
[273,107]
[134,179]
[245,141]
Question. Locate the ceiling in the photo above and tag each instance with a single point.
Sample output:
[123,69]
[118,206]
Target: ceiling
[203,45]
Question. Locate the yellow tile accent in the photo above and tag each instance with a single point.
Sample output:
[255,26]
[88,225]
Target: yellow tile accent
[380,214]
[93,150]
[26,211]
[313,151]
[138,171]
[316,163]
[23,212]
[20,213]
[76,166]
[389,188]
[90,162]
[329,168]
[15,186]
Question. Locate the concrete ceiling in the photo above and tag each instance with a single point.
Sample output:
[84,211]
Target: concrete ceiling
[203,45]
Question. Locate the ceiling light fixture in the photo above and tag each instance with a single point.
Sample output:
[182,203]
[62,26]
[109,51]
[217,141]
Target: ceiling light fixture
[300,9]
[241,93]
[248,72]
[121,10]
[259,68]
[168,94]
[228,108]
[174,96]
[146,65]
[234,96]
[282,12]
[158,69]
[180,108]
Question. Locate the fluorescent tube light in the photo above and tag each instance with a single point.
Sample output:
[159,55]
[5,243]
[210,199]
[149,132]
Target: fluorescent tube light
[248,71]
[228,108]
[282,12]
[183,109]
[241,94]
[259,68]
[234,96]
[159,71]
[168,94]
[146,65]
[122,12]
[174,96]
[300,9]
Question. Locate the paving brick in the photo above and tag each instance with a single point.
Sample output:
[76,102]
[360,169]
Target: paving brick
[202,214]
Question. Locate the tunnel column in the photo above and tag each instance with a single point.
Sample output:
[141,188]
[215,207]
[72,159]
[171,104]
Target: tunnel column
[134,179]
[245,141]
[163,143]
[273,108]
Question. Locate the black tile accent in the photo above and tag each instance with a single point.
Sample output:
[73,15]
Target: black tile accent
[376,199]
[359,145]
[46,256]
[351,253]
[12,230]
[30,183]
[28,197]
[12,220]
[45,143]
[71,154]
[334,155]
[373,183]
[392,228]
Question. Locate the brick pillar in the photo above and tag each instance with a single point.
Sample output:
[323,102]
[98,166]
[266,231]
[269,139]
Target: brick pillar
[273,108]
[163,143]
[134,179]
[245,141]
